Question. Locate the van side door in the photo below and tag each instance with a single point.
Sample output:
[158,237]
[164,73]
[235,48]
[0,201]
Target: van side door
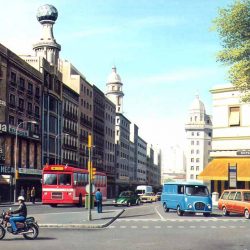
[231,201]
[238,204]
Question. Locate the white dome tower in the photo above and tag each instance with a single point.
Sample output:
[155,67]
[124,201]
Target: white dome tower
[47,47]
[198,129]
[114,91]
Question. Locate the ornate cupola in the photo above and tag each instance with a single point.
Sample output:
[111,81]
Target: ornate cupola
[114,90]
[47,47]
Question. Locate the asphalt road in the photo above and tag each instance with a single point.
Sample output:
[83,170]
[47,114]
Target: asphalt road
[146,227]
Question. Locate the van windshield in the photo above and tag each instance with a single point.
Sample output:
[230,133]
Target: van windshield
[197,190]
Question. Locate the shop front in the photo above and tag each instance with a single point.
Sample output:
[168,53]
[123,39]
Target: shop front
[219,172]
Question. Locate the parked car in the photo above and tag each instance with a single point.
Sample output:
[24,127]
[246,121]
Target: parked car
[148,197]
[158,195]
[127,198]
[235,201]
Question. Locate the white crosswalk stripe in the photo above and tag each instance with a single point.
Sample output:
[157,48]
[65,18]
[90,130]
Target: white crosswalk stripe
[176,226]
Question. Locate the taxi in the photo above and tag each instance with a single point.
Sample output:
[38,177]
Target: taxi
[235,201]
[148,197]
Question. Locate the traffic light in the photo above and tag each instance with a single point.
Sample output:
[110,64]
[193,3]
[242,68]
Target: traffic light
[93,173]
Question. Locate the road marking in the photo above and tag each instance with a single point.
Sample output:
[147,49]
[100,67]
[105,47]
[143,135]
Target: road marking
[169,226]
[192,226]
[162,218]
[213,226]
[158,227]
[203,226]
[134,227]
[123,226]
[145,227]
[181,227]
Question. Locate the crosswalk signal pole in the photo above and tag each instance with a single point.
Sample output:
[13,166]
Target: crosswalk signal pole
[90,173]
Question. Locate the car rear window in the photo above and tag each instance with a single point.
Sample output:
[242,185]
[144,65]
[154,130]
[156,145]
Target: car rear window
[225,195]
[247,196]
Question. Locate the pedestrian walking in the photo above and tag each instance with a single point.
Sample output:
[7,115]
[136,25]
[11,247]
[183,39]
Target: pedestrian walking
[98,197]
[22,192]
[28,195]
[33,195]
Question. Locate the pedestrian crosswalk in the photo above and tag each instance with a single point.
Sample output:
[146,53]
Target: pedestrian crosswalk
[206,220]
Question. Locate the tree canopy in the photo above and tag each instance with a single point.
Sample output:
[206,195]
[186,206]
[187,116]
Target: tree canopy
[233,27]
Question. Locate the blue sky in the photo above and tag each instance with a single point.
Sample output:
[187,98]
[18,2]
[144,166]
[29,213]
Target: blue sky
[164,52]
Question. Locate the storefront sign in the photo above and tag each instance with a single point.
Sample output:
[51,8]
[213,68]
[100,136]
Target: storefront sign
[3,127]
[6,170]
[232,176]
[20,131]
[30,171]
[243,152]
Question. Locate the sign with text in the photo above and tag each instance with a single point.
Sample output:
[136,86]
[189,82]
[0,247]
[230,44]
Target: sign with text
[30,171]
[20,131]
[3,128]
[232,176]
[6,170]
[243,152]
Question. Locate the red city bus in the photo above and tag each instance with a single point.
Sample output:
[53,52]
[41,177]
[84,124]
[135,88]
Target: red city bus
[66,185]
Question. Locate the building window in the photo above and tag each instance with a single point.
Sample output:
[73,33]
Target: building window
[192,168]
[191,176]
[13,77]
[21,104]
[197,151]
[192,133]
[234,116]
[192,159]
[198,133]
[11,120]
[192,151]
[197,168]
[197,159]
[12,100]
[197,142]
[192,142]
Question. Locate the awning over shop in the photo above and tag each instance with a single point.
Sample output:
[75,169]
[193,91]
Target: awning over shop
[217,169]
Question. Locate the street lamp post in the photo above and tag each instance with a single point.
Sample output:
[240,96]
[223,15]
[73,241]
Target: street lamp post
[15,156]
[58,135]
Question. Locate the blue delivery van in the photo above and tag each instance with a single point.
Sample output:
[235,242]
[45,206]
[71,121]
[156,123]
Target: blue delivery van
[189,197]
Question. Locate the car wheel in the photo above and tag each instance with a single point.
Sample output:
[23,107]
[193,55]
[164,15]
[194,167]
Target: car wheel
[179,212]
[128,204]
[165,207]
[224,211]
[138,202]
[246,214]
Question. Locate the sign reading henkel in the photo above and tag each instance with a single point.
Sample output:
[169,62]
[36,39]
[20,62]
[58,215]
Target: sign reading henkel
[232,176]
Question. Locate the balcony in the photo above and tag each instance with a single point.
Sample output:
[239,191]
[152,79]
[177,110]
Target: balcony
[70,131]
[70,115]
[85,122]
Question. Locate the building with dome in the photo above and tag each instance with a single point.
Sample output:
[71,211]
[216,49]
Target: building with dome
[198,129]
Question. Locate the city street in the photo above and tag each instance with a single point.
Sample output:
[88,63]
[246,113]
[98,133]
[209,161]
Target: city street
[143,227]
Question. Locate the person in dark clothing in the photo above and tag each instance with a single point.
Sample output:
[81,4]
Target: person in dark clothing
[22,214]
[98,197]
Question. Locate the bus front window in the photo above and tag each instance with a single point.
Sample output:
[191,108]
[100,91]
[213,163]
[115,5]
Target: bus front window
[64,179]
[50,179]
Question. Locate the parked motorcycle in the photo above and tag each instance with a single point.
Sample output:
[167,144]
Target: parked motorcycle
[29,229]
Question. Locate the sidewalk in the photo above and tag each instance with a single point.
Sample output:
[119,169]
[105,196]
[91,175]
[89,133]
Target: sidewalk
[78,220]
[75,220]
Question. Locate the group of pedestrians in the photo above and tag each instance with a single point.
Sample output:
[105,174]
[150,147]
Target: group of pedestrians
[30,194]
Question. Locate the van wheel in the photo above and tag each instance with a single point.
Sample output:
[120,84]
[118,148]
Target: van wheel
[224,211]
[165,207]
[206,214]
[246,214]
[128,204]
[179,212]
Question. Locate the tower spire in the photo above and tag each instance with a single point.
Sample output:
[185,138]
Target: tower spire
[47,47]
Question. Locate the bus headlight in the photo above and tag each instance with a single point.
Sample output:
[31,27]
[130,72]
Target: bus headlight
[190,206]
[209,206]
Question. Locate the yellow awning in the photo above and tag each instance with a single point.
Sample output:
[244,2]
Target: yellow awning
[217,169]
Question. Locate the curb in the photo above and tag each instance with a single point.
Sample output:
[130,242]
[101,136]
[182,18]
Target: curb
[81,226]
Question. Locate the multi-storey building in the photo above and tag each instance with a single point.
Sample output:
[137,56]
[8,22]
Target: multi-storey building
[98,128]
[77,81]
[21,88]
[109,146]
[141,161]
[198,139]
[230,142]
[70,149]
[134,134]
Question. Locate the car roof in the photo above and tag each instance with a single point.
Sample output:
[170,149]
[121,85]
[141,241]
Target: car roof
[236,190]
[184,183]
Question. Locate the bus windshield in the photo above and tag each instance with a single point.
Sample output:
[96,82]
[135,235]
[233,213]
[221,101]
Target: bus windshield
[50,179]
[197,190]
[64,179]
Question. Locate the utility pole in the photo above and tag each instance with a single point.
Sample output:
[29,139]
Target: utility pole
[90,145]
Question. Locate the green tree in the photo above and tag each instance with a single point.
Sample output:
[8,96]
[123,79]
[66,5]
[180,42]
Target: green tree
[233,27]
